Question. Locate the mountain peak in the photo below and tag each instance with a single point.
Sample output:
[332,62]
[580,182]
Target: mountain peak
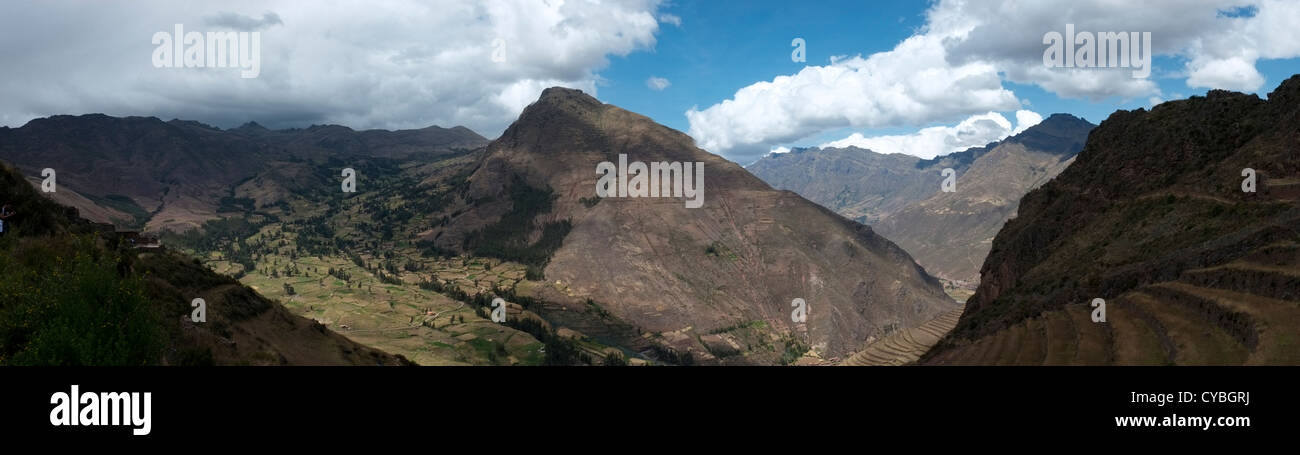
[1063,117]
[1062,120]
[558,92]
[1287,93]
[1061,134]
[767,245]
[252,126]
[566,99]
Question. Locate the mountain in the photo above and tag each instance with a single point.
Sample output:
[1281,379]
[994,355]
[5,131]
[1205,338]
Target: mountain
[71,293]
[276,224]
[688,276]
[949,233]
[435,232]
[900,195]
[1153,218]
[860,184]
[142,172]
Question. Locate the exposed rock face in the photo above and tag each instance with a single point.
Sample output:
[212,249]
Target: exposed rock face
[1152,218]
[741,257]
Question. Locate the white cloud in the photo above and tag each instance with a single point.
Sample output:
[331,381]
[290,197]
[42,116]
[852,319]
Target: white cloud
[407,64]
[910,85]
[1220,49]
[1026,119]
[955,66]
[657,84]
[670,19]
[975,131]
[1233,73]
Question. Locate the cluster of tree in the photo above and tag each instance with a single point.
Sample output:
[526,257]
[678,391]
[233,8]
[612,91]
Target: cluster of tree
[386,278]
[614,359]
[507,239]
[340,274]
[315,236]
[794,349]
[672,356]
[559,350]
[215,234]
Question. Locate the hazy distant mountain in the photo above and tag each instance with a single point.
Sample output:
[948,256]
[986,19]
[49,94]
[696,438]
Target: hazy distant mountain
[689,275]
[1152,218]
[141,171]
[900,195]
[950,233]
[860,184]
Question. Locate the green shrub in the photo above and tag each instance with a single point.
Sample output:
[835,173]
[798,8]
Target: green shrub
[66,301]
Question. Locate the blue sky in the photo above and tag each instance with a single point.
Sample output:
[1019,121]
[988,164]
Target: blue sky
[720,47]
[723,46]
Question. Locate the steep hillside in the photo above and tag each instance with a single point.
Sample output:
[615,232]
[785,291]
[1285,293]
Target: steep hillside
[905,346]
[1152,218]
[71,294]
[690,276]
[950,233]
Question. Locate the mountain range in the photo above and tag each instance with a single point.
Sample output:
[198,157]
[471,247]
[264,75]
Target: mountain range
[145,173]
[1168,236]
[441,214]
[902,196]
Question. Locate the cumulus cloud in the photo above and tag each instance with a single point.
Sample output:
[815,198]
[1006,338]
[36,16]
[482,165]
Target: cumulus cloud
[409,64]
[975,131]
[1026,119]
[670,19]
[1220,40]
[955,65]
[657,84]
[910,85]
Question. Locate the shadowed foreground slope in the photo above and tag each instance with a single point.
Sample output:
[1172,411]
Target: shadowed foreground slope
[70,294]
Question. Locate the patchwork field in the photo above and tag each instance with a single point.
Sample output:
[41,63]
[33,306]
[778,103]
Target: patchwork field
[395,310]
[401,318]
